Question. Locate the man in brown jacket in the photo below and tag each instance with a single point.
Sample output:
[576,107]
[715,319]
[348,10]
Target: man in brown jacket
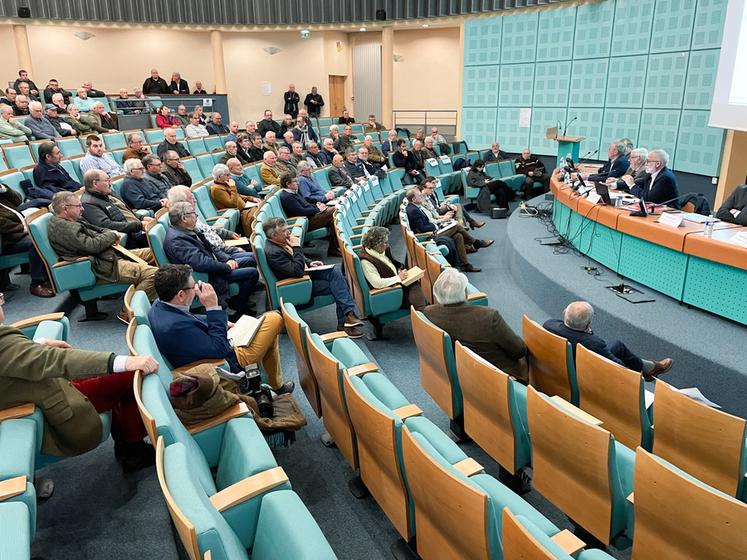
[226,195]
[479,328]
[71,387]
[73,238]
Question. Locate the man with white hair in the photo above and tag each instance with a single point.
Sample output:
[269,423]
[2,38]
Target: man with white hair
[284,158]
[270,170]
[62,127]
[173,169]
[171,143]
[636,172]
[39,125]
[21,106]
[82,101]
[288,138]
[99,119]
[270,144]
[59,101]
[616,165]
[136,147]
[660,187]
[10,128]
[216,126]
[291,100]
[309,187]
[479,328]
[328,152]
[374,154]
[576,328]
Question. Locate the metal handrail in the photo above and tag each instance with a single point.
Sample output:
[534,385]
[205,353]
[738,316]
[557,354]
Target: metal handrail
[426,117]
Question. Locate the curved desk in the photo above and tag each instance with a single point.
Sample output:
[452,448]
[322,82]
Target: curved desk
[709,273]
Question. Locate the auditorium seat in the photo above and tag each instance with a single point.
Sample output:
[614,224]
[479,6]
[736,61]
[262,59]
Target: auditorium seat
[196,146]
[260,513]
[18,155]
[213,143]
[216,155]
[137,305]
[72,166]
[19,439]
[704,442]
[15,539]
[153,136]
[551,367]
[208,209]
[495,410]
[191,167]
[114,141]
[506,172]
[615,395]
[205,161]
[580,468]
[457,505]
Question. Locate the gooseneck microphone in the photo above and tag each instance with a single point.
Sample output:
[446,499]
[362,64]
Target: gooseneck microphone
[565,128]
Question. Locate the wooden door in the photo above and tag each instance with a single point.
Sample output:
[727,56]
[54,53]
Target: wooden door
[336,95]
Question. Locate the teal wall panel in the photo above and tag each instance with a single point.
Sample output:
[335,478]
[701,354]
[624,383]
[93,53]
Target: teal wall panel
[673,25]
[542,119]
[717,287]
[709,24]
[482,41]
[478,126]
[517,85]
[519,38]
[511,137]
[665,80]
[644,69]
[480,86]
[551,82]
[701,78]
[632,31]
[555,34]
[625,80]
[698,145]
[653,265]
[589,82]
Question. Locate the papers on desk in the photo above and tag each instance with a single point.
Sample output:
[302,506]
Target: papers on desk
[739,239]
[671,220]
[244,331]
[250,204]
[446,227]
[413,275]
[697,218]
[236,242]
[320,267]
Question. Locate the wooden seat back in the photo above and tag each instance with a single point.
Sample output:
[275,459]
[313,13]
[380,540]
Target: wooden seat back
[679,519]
[570,464]
[421,260]
[296,332]
[612,393]
[548,360]
[702,441]
[434,367]
[451,515]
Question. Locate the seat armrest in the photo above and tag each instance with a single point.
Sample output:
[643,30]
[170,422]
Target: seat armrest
[359,227]
[408,411]
[32,321]
[248,488]
[290,281]
[377,291]
[478,295]
[569,542]
[214,218]
[12,487]
[362,369]
[356,236]
[66,263]
[236,411]
[332,336]
[19,411]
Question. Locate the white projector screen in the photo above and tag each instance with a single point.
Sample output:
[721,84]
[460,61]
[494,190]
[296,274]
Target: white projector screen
[729,106]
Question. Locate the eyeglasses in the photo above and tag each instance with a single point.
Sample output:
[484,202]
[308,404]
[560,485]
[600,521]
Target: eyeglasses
[185,288]
[190,213]
[74,205]
[2,298]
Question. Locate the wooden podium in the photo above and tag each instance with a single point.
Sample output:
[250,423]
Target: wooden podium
[568,145]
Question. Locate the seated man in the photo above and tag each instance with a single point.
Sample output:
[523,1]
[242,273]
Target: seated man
[39,125]
[346,118]
[10,128]
[60,102]
[232,150]
[63,128]
[310,188]
[171,143]
[354,167]
[71,387]
[271,170]
[303,132]
[372,126]
[72,238]
[328,151]
[286,260]
[616,165]
[288,138]
[233,130]
[9,98]
[255,151]
[199,90]
[455,239]
[244,185]
[346,140]
[216,126]
[21,106]
[270,144]
[635,174]
[734,209]
[96,158]
[184,338]
[136,148]
[82,101]
[339,175]
[92,92]
[495,153]
[195,129]
[14,238]
[181,115]
[479,328]
[136,192]
[104,210]
[100,120]
[49,176]
[174,170]
[374,154]
[534,170]
[125,106]
[154,174]
[72,117]
[297,154]
[243,144]
[225,195]
[184,245]
[320,215]
[434,205]
[576,328]
[314,157]
[284,158]
[412,162]
[267,124]
[660,187]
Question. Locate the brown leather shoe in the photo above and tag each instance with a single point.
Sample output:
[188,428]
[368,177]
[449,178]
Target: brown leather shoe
[470,268]
[474,224]
[662,366]
[352,332]
[40,290]
[124,316]
[469,249]
[482,243]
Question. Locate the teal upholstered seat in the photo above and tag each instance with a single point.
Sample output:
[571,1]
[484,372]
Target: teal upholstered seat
[549,546]
[18,441]
[213,143]
[18,155]
[15,538]
[70,147]
[191,167]
[208,209]
[154,135]
[114,141]
[205,161]
[196,147]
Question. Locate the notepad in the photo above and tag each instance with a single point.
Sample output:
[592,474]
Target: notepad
[244,331]
[446,226]
[237,242]
[320,267]
[413,275]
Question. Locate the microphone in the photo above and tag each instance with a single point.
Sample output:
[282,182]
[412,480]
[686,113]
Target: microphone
[569,124]
[642,212]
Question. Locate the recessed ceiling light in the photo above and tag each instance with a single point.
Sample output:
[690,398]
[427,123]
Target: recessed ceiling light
[362,29]
[425,25]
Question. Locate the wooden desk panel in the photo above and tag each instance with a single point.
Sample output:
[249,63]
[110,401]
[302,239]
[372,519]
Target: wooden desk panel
[647,229]
[718,248]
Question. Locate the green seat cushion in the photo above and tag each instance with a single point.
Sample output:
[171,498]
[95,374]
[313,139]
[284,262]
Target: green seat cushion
[15,538]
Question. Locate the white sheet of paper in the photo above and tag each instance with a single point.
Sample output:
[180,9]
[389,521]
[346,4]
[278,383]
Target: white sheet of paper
[671,220]
[265,88]
[740,239]
[525,117]
[695,394]
[594,197]
[648,398]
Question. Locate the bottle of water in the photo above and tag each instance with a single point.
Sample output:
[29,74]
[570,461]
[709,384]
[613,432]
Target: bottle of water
[708,231]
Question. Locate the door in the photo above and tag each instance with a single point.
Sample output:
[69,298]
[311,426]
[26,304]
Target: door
[336,95]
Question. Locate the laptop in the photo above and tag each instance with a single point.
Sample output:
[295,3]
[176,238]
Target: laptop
[604,192]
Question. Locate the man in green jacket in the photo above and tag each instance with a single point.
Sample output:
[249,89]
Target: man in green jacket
[71,387]
[11,128]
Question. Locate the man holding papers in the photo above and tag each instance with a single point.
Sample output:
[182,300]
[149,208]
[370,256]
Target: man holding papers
[184,338]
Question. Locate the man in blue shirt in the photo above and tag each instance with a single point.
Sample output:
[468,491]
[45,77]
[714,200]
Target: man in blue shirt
[309,187]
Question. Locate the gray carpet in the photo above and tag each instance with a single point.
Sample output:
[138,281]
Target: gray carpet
[97,512]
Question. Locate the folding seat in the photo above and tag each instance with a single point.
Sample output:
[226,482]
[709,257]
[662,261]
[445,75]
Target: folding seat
[507,174]
[118,156]
[34,145]
[18,450]
[259,513]
[70,147]
[153,135]
[457,505]
[3,165]
[191,167]
[210,212]
[76,276]
[72,166]
[357,128]
[180,133]
[551,367]
[137,305]
[251,172]
[15,537]
[704,442]
[324,131]
[679,517]
[214,143]
[196,146]
[114,141]
[450,178]
[495,410]
[18,155]
[320,174]
[581,468]
[205,161]
[217,155]
[615,395]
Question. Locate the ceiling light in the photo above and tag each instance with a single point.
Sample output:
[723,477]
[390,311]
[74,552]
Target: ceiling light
[424,25]
[362,29]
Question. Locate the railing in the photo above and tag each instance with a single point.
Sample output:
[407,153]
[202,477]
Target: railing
[445,119]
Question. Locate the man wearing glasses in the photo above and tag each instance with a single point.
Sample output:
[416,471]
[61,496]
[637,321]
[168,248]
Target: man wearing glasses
[661,185]
[72,238]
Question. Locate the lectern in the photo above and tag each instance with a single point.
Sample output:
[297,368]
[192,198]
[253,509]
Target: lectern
[566,145]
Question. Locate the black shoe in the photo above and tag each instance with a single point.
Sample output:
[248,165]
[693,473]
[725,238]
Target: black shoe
[135,456]
[286,387]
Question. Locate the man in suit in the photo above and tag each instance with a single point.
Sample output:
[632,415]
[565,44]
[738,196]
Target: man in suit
[455,239]
[286,260]
[178,84]
[319,214]
[339,174]
[479,328]
[71,387]
[185,245]
[49,176]
[635,174]
[184,338]
[616,165]
[661,185]
[576,328]
[734,209]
